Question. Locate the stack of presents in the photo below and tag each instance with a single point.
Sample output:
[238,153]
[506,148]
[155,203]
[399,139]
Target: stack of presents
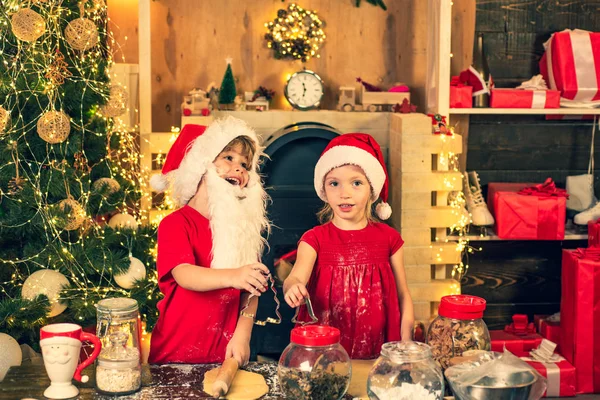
[567,79]
[538,211]
[571,336]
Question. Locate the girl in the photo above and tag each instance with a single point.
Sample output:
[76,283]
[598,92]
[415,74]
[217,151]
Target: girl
[353,264]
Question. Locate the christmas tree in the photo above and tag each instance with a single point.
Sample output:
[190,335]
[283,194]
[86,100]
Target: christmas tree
[228,92]
[67,167]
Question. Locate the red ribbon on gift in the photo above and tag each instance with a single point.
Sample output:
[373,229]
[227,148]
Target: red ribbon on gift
[520,326]
[591,253]
[546,189]
[455,81]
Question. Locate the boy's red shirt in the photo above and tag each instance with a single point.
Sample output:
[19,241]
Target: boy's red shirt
[193,327]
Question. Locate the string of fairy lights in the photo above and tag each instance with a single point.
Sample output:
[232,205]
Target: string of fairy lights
[458,232]
[34,46]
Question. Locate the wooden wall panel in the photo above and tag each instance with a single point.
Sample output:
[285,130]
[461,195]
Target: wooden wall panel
[526,149]
[516,277]
[191,39]
[516,30]
[123,22]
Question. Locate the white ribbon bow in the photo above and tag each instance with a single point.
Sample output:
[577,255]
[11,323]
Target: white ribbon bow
[537,82]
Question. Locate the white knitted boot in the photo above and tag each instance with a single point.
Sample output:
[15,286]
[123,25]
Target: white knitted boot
[476,205]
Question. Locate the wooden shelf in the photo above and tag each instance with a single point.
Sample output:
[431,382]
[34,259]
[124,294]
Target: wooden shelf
[488,235]
[524,111]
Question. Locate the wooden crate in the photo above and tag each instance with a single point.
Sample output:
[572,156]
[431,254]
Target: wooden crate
[417,182]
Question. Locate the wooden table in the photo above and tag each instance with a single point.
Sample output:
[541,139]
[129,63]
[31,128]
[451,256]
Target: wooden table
[158,382]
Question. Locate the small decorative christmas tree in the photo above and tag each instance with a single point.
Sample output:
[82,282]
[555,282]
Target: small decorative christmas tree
[228,92]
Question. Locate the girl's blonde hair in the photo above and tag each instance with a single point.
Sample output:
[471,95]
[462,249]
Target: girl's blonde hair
[248,147]
[325,214]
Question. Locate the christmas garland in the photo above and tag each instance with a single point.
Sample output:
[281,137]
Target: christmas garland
[296,34]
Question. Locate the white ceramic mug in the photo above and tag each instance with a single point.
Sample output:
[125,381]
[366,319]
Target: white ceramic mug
[61,345]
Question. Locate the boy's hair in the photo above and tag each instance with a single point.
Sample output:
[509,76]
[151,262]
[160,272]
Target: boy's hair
[325,214]
[247,145]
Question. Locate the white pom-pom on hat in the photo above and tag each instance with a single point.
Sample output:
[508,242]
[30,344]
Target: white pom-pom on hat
[159,182]
[383,210]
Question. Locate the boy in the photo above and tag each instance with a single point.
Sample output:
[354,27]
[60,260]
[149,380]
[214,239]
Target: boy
[208,249]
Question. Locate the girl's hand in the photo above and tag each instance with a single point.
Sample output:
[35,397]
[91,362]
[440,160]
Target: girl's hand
[296,294]
[251,277]
[238,348]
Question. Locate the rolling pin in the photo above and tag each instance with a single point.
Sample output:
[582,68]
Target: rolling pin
[225,376]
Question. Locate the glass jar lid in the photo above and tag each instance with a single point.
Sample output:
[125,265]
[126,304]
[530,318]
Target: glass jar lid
[315,335]
[117,305]
[461,306]
[406,351]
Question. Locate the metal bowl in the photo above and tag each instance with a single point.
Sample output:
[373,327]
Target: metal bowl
[516,386]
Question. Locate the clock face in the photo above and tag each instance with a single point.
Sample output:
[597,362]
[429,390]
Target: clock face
[304,90]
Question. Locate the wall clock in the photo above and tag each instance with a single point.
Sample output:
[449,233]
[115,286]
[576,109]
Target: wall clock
[304,90]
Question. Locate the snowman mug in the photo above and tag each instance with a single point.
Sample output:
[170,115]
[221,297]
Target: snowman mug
[61,345]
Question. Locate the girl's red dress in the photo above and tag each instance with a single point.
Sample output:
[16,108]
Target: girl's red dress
[352,286]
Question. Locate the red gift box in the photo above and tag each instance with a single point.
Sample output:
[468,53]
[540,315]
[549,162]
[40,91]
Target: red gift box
[519,98]
[580,315]
[539,215]
[560,377]
[548,328]
[571,64]
[593,233]
[461,96]
[519,345]
[519,337]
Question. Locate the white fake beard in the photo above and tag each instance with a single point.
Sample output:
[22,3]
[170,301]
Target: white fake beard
[237,219]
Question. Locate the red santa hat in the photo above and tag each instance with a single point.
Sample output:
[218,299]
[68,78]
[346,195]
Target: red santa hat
[471,77]
[363,151]
[193,153]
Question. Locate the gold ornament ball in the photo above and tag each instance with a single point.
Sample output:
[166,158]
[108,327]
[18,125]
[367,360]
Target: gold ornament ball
[117,103]
[75,217]
[136,272]
[49,282]
[123,220]
[81,34]
[27,25]
[111,185]
[11,354]
[4,117]
[54,127]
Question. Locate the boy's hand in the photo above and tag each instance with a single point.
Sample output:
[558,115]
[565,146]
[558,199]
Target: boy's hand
[252,278]
[296,294]
[238,348]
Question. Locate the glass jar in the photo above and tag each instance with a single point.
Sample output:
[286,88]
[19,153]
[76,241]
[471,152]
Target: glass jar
[458,327]
[118,367]
[405,371]
[314,365]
